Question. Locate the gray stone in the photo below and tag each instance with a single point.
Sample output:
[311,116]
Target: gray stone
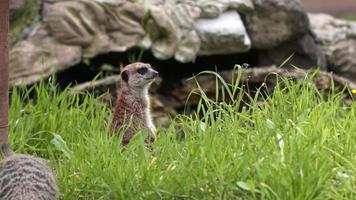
[163,33]
[72,30]
[23,14]
[214,8]
[40,56]
[337,39]
[188,47]
[97,27]
[274,22]
[170,30]
[223,35]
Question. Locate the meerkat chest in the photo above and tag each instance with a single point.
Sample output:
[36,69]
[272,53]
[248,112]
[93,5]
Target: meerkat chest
[148,115]
[149,121]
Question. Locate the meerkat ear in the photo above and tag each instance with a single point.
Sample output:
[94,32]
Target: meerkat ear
[125,76]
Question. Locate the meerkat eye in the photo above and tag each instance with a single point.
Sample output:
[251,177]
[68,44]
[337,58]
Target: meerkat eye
[142,70]
[125,76]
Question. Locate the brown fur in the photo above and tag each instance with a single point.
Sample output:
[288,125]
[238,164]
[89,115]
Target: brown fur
[132,111]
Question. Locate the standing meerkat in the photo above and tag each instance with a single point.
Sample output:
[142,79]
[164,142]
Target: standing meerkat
[132,111]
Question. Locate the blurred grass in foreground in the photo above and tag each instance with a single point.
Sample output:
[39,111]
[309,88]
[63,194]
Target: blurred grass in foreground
[296,144]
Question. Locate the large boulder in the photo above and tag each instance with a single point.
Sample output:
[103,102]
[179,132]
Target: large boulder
[23,14]
[214,8]
[274,22]
[73,30]
[170,30]
[177,28]
[223,35]
[97,27]
[337,38]
[40,56]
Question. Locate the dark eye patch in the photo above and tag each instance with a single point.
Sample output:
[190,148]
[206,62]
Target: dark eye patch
[142,70]
[125,76]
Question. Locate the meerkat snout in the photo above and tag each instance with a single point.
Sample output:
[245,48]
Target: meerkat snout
[133,103]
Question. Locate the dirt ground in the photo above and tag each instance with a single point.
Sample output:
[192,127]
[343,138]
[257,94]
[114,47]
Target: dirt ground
[334,7]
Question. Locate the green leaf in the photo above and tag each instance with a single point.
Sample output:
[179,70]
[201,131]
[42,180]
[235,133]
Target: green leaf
[61,145]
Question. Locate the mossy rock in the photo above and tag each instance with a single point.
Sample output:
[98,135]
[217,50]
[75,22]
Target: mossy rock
[23,14]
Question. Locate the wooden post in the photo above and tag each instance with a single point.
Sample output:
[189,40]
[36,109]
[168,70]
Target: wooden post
[4,75]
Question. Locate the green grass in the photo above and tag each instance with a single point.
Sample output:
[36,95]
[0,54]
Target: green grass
[298,143]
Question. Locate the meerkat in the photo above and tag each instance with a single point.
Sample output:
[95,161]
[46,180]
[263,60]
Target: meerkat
[26,177]
[133,104]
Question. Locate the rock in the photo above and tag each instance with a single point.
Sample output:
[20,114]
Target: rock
[75,30]
[23,14]
[274,22]
[239,5]
[99,28]
[337,39]
[170,27]
[71,31]
[306,54]
[188,47]
[39,56]
[162,32]
[214,8]
[223,35]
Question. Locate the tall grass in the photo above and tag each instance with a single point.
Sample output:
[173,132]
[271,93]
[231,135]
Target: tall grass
[296,144]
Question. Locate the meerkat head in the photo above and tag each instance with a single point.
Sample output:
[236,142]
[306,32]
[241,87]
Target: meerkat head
[138,75]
